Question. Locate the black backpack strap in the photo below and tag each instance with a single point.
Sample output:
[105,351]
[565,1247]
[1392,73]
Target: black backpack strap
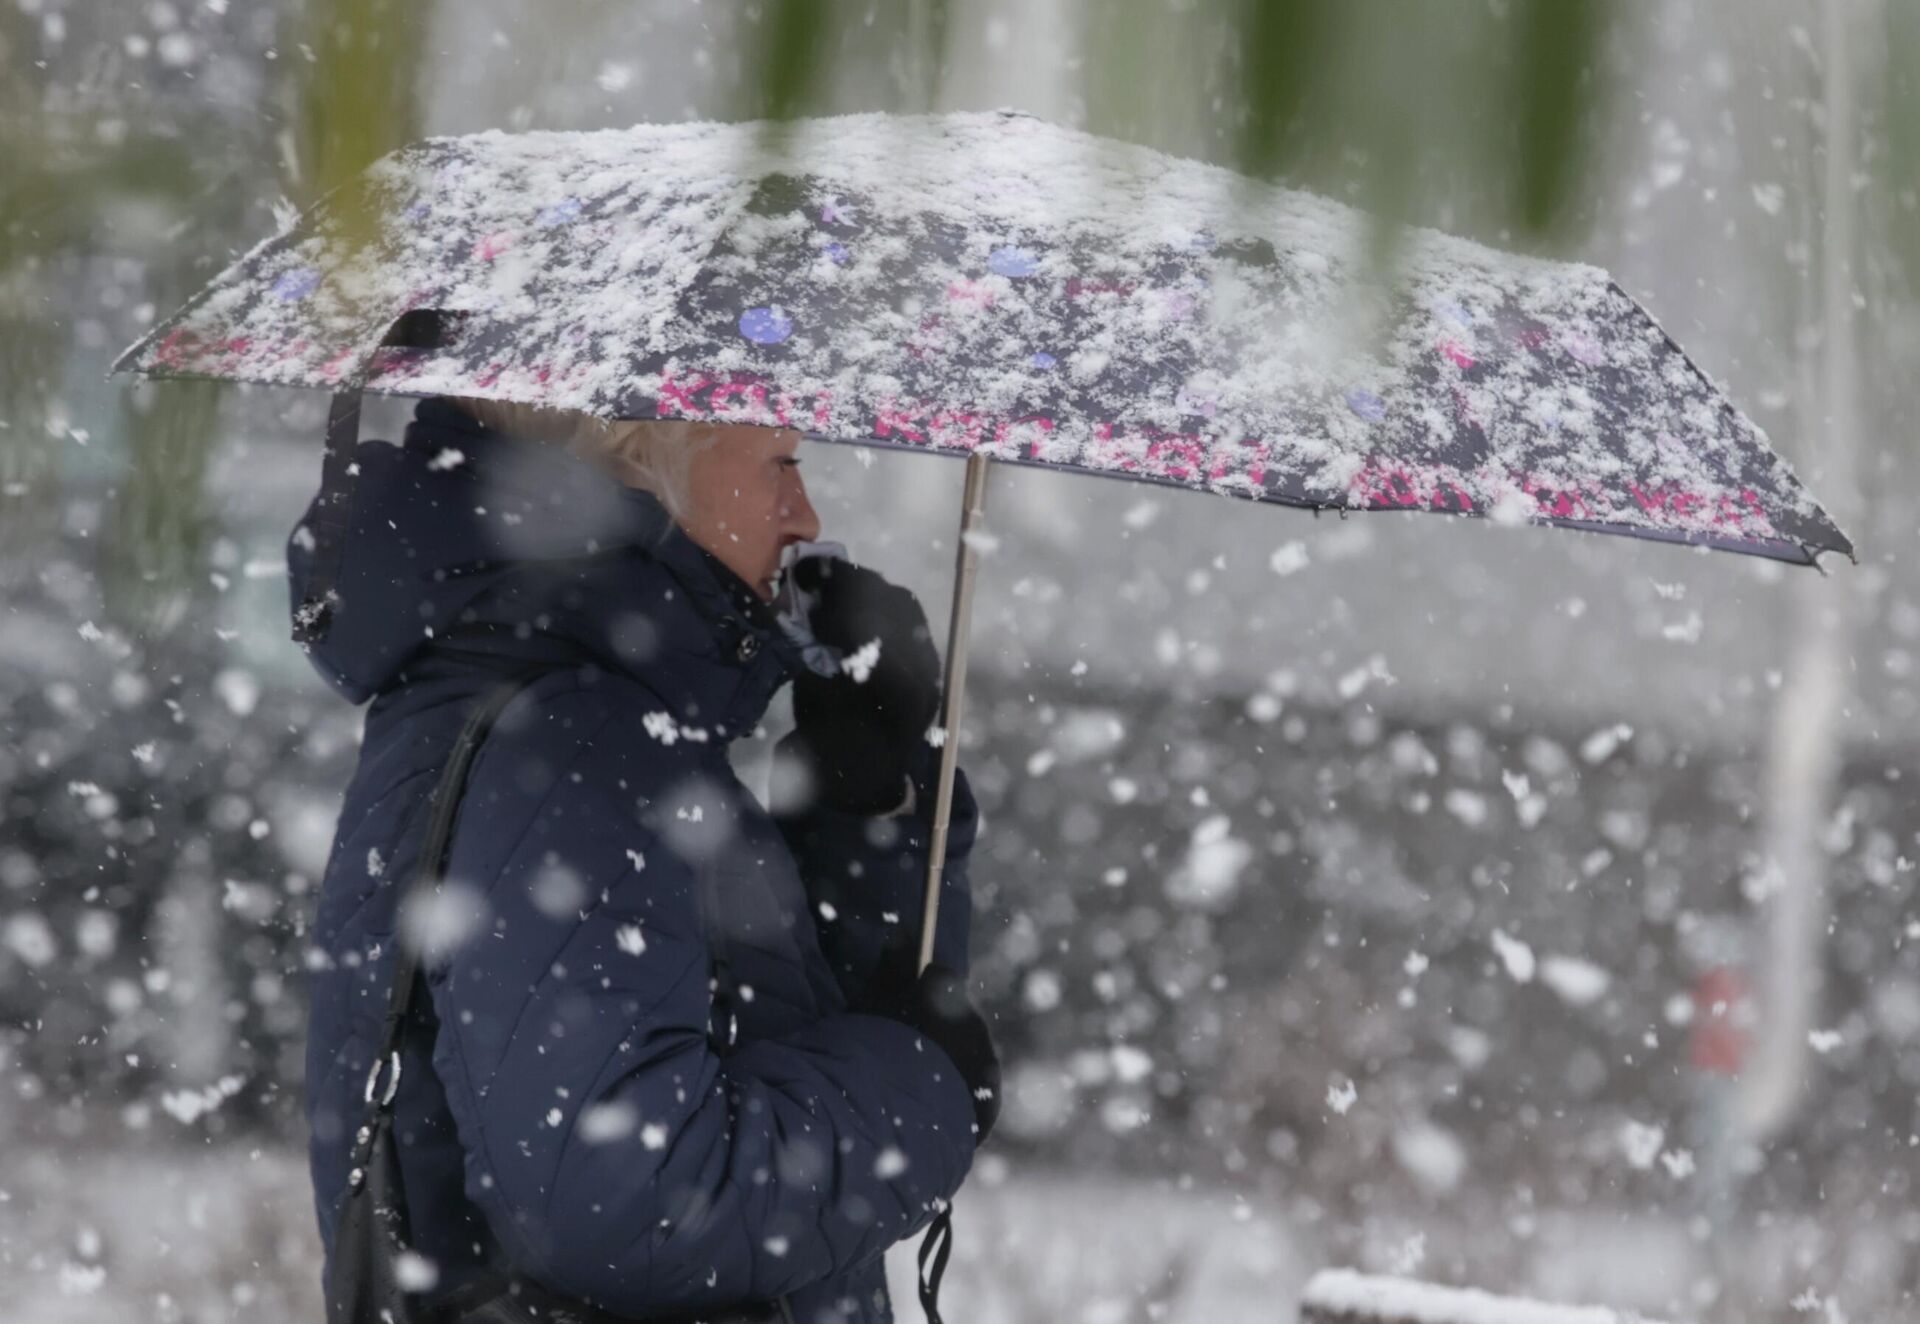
[372,1228]
[443,807]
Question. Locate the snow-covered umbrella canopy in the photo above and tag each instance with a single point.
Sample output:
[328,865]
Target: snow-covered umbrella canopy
[993,284]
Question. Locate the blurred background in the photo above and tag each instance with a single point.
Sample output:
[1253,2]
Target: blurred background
[1496,906]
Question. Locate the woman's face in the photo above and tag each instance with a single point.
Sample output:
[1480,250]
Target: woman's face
[746,501]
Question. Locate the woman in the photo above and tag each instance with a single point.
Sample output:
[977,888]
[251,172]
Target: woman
[676,1055]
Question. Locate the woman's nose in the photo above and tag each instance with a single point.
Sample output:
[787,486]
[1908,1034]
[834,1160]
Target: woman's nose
[799,522]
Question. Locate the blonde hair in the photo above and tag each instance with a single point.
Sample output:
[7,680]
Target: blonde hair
[654,455]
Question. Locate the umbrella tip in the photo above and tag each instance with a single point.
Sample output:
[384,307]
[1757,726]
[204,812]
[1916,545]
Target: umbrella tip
[1826,558]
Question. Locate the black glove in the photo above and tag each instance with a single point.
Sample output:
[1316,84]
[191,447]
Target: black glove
[858,741]
[937,1006]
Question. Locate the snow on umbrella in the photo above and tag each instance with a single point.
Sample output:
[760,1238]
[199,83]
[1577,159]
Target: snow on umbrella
[993,286]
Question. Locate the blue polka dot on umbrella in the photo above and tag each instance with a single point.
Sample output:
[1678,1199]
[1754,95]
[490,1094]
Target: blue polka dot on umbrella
[1043,360]
[1012,262]
[766,326]
[296,284]
[1367,405]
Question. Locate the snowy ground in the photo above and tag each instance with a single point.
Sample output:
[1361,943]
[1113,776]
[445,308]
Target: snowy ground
[224,1234]
[220,1234]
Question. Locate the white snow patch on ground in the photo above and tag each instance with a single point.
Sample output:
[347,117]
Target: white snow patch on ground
[1344,1294]
[1032,1245]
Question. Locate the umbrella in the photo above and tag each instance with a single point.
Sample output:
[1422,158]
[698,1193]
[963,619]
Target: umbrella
[993,286]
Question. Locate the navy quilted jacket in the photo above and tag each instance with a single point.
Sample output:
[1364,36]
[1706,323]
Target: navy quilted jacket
[562,1107]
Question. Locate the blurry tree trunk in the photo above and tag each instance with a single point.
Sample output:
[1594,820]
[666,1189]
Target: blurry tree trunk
[1807,746]
[32,232]
[29,433]
[357,100]
[361,96]
[152,564]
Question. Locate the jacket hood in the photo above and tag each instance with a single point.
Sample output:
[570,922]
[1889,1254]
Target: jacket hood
[515,552]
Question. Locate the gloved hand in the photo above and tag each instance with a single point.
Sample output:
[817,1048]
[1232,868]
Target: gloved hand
[937,1005]
[858,740]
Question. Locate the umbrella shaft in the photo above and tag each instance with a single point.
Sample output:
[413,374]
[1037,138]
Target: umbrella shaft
[973,505]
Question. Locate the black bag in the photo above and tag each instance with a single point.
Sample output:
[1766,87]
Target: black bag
[367,1280]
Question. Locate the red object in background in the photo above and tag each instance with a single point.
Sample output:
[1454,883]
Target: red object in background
[1722,1021]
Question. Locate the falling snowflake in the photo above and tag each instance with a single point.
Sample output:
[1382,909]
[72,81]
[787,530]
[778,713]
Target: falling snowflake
[415,1272]
[187,1106]
[1599,747]
[1289,558]
[1641,1143]
[1515,955]
[603,1123]
[1578,982]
